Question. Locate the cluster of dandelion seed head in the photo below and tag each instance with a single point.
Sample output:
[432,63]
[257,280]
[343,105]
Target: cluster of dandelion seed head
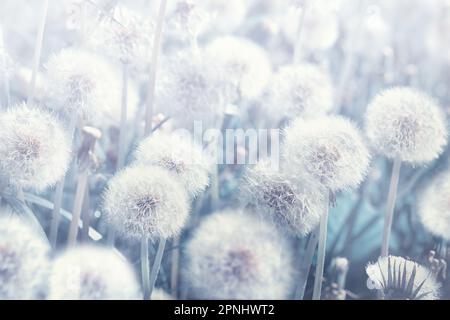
[188,20]
[406,124]
[160,294]
[398,278]
[146,201]
[329,150]
[23,259]
[124,35]
[192,87]
[434,206]
[92,273]
[294,207]
[302,90]
[84,83]
[35,150]
[180,155]
[235,255]
[246,63]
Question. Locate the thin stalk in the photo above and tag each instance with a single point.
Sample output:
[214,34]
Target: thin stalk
[86,217]
[153,68]
[156,265]
[390,206]
[123,120]
[306,264]
[77,206]
[145,268]
[59,192]
[175,267]
[297,43]
[37,51]
[320,256]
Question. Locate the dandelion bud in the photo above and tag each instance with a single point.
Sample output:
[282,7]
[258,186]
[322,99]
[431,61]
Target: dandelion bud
[145,201]
[292,206]
[35,150]
[23,259]
[246,64]
[328,150]
[406,124]
[302,90]
[92,273]
[398,278]
[181,156]
[85,84]
[233,255]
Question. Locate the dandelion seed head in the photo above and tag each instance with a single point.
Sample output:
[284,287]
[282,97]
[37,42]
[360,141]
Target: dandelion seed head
[35,150]
[398,278]
[246,63]
[329,150]
[23,259]
[146,201]
[406,124]
[294,207]
[180,155]
[92,273]
[302,90]
[86,84]
[235,255]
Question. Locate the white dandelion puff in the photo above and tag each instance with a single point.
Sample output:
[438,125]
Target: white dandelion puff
[329,150]
[146,202]
[398,278]
[180,155]
[83,83]
[406,124]
[92,273]
[234,255]
[302,90]
[23,259]
[292,206]
[245,62]
[35,150]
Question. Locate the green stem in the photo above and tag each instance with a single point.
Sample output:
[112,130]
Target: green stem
[145,268]
[306,264]
[78,205]
[156,265]
[320,256]
[123,121]
[175,267]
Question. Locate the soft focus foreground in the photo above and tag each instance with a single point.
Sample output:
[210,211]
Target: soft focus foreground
[217,149]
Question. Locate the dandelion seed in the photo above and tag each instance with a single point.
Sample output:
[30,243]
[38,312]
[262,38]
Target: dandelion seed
[146,202]
[92,273]
[179,155]
[234,255]
[406,124]
[23,260]
[35,150]
[398,278]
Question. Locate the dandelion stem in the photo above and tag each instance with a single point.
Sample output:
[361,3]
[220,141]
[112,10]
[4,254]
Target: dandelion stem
[390,207]
[297,43]
[320,256]
[86,217]
[78,205]
[145,268]
[123,120]
[306,264]
[37,52]
[153,66]
[175,267]
[156,265]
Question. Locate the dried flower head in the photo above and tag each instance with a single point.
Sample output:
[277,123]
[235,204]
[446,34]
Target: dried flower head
[146,201]
[407,124]
[192,87]
[434,206]
[92,273]
[84,83]
[398,278]
[180,155]
[23,259]
[292,206]
[234,255]
[35,150]
[302,90]
[329,150]
[246,64]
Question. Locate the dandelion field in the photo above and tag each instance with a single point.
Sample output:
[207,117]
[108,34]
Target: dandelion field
[224,150]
